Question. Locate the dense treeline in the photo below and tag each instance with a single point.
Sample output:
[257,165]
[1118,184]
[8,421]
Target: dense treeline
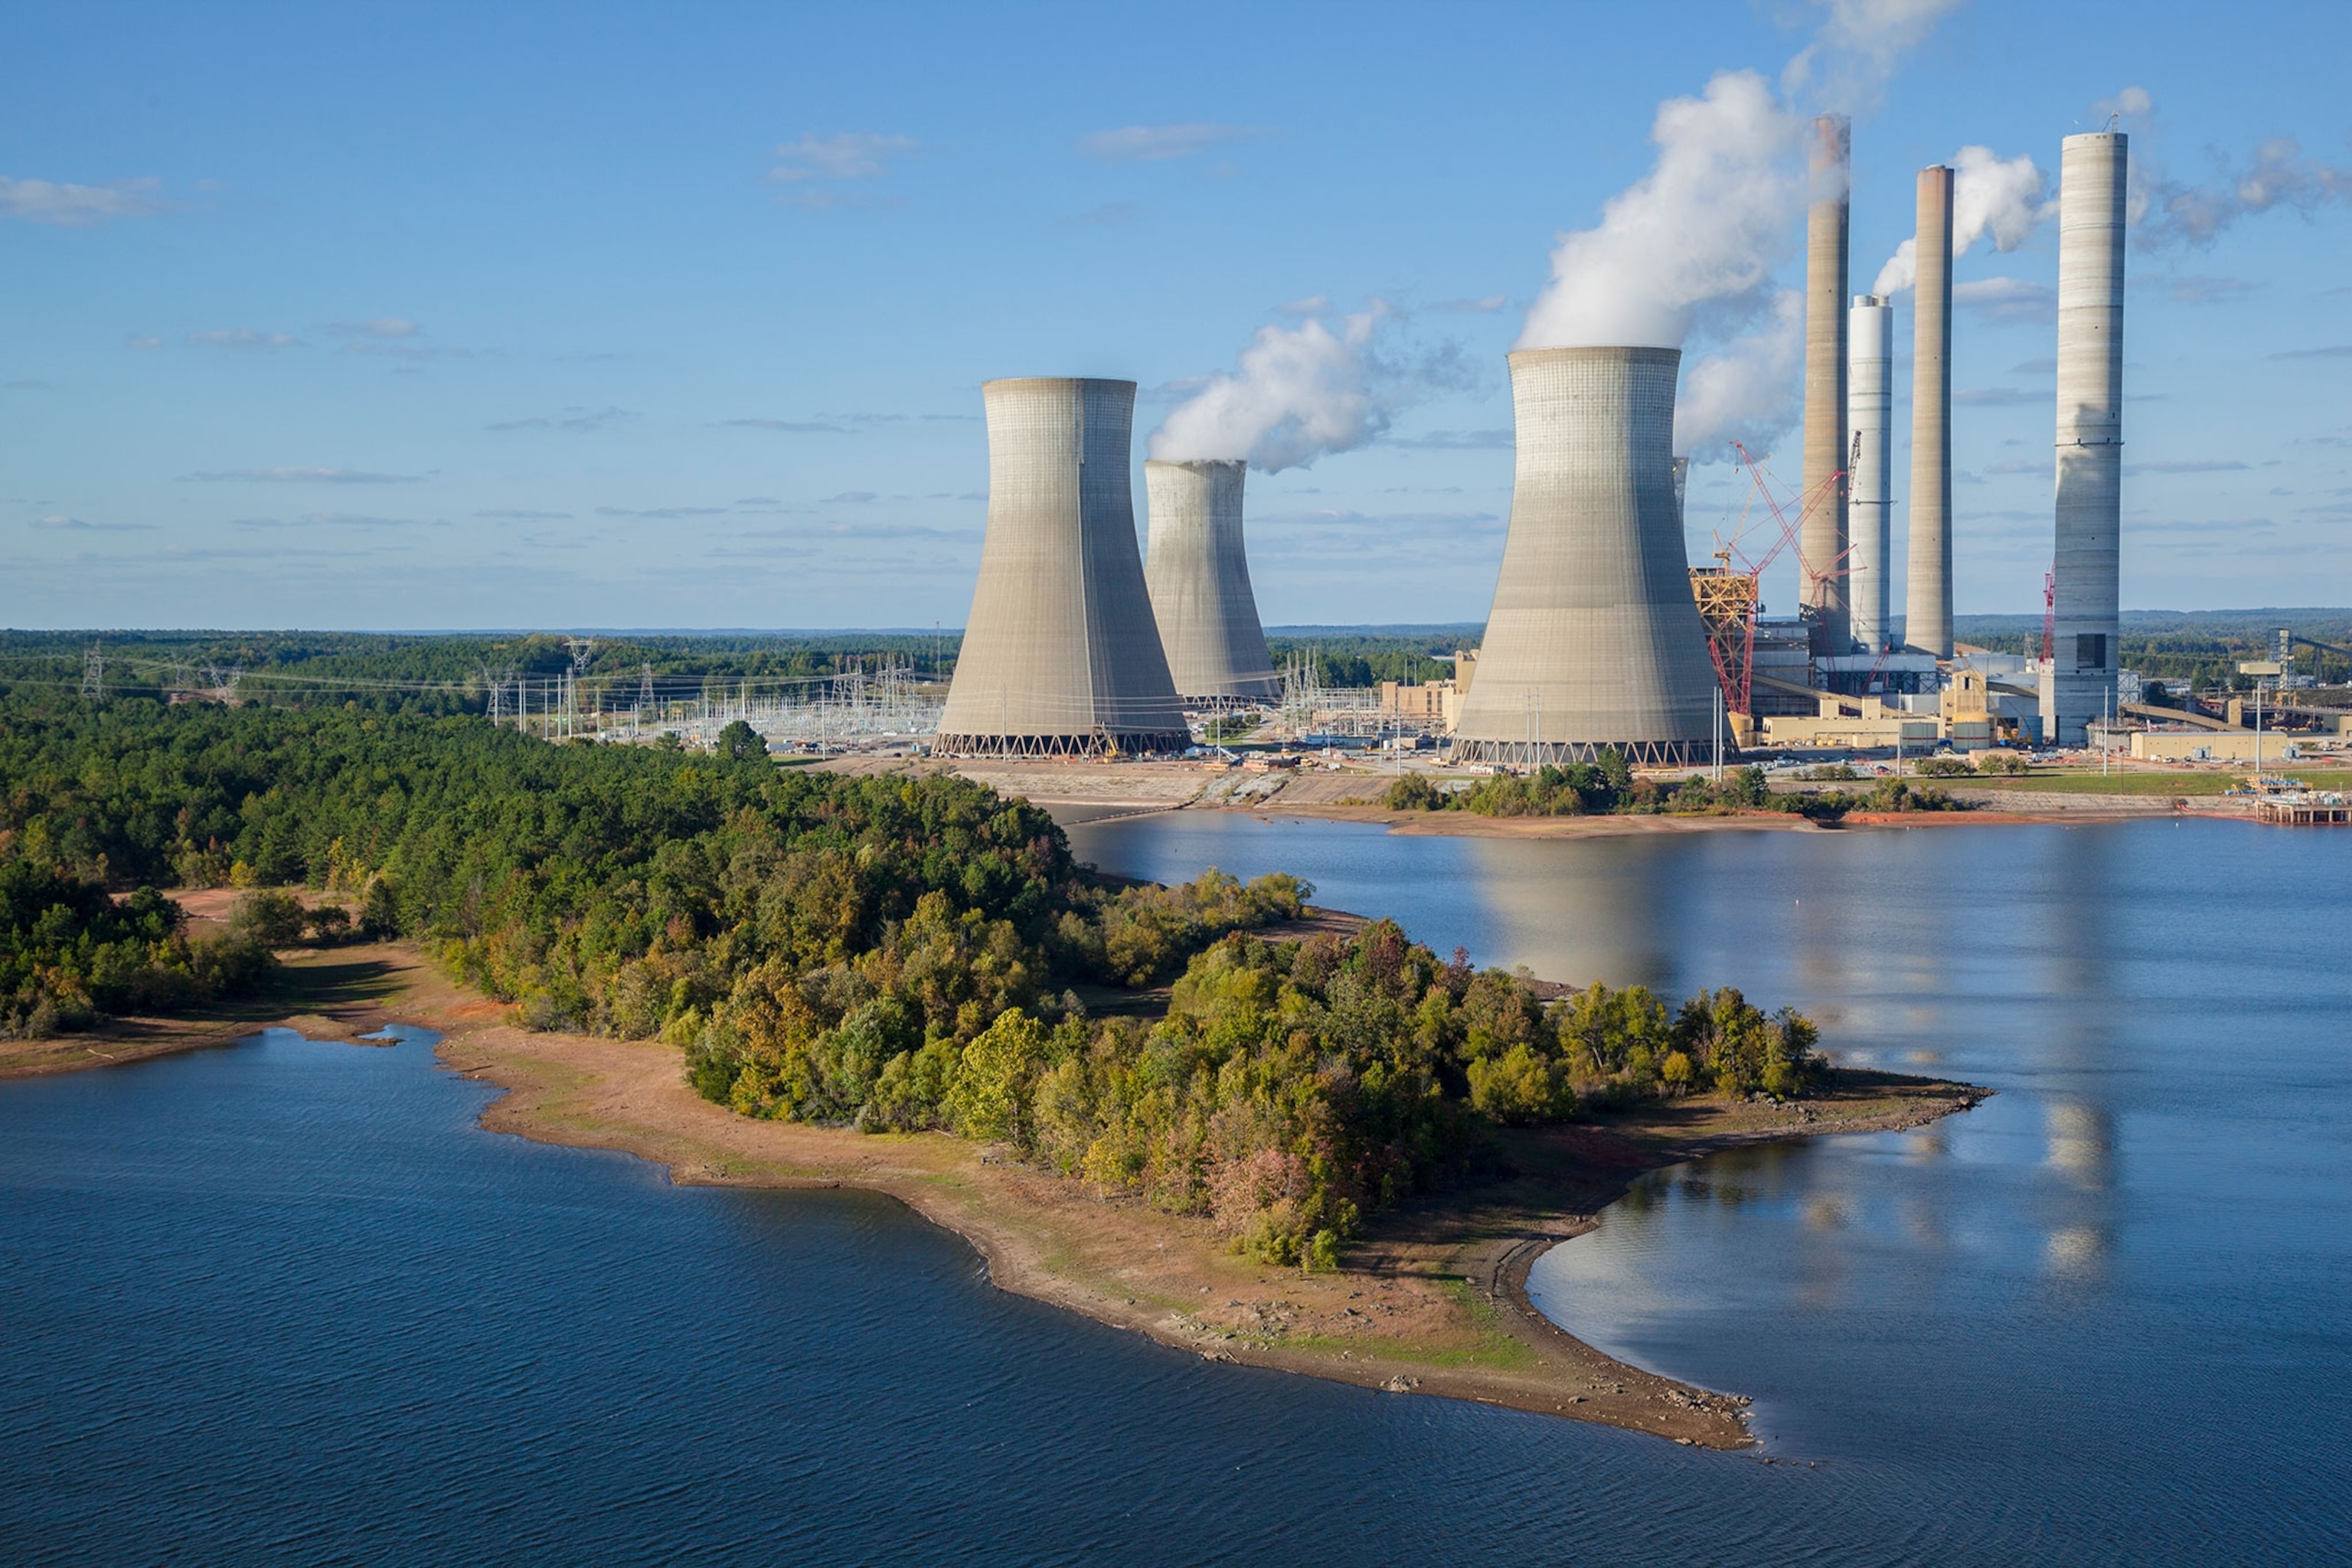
[615,890]
[1361,659]
[443,673]
[70,952]
[1580,789]
[2183,650]
[1292,1088]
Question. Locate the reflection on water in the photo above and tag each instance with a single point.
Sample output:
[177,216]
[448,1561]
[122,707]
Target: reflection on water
[2154,1213]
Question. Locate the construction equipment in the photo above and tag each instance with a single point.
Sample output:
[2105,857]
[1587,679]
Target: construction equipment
[1730,598]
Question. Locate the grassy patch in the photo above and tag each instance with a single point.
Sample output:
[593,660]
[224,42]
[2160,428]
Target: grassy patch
[2203,783]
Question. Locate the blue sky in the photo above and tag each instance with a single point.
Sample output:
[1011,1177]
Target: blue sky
[501,316]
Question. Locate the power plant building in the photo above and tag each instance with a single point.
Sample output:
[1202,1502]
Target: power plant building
[1061,654]
[1594,639]
[1197,573]
[1870,410]
[2080,687]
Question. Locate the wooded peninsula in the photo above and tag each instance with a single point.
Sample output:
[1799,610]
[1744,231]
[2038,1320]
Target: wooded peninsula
[891,958]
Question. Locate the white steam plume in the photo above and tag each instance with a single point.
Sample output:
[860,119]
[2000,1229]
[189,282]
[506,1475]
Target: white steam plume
[1861,43]
[1703,226]
[2004,197]
[2163,211]
[1300,393]
[2278,175]
[1749,391]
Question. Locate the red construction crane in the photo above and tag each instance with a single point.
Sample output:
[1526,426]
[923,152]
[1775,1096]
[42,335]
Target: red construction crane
[2049,614]
[1732,645]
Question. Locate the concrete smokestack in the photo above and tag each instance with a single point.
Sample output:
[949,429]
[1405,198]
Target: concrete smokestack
[1927,620]
[1061,656]
[1594,640]
[1871,399]
[1199,576]
[2090,430]
[1822,538]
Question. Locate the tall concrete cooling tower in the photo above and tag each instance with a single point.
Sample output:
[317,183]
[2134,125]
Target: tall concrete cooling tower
[1927,617]
[1200,581]
[1870,400]
[1061,656]
[1822,538]
[2090,430]
[1594,640]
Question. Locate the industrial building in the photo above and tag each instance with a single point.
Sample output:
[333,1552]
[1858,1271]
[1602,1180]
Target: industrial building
[1197,573]
[1594,639]
[1601,635]
[1061,655]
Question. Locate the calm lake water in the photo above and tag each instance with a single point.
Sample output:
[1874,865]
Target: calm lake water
[286,1301]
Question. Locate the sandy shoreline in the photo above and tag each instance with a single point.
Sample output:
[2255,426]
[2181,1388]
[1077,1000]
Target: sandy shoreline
[1433,1301]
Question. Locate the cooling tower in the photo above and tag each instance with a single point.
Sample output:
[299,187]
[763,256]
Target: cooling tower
[1928,620]
[1821,535]
[1060,656]
[2090,428]
[1199,576]
[1594,640]
[1870,394]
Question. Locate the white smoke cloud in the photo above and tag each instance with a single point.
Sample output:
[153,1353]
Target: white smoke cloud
[1301,393]
[1297,393]
[2277,176]
[2162,211]
[1703,226]
[1861,43]
[1749,391]
[2004,197]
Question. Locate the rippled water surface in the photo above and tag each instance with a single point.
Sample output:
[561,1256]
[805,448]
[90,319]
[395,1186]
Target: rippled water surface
[286,1302]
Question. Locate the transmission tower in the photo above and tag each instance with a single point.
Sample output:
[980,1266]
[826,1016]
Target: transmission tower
[93,675]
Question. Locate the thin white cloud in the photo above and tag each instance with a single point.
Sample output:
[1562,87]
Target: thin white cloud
[1456,441]
[244,338]
[2008,301]
[844,155]
[293,476]
[60,523]
[579,420]
[80,206]
[789,427]
[1158,143]
[1996,397]
[515,515]
[1111,215]
[138,341]
[379,327]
